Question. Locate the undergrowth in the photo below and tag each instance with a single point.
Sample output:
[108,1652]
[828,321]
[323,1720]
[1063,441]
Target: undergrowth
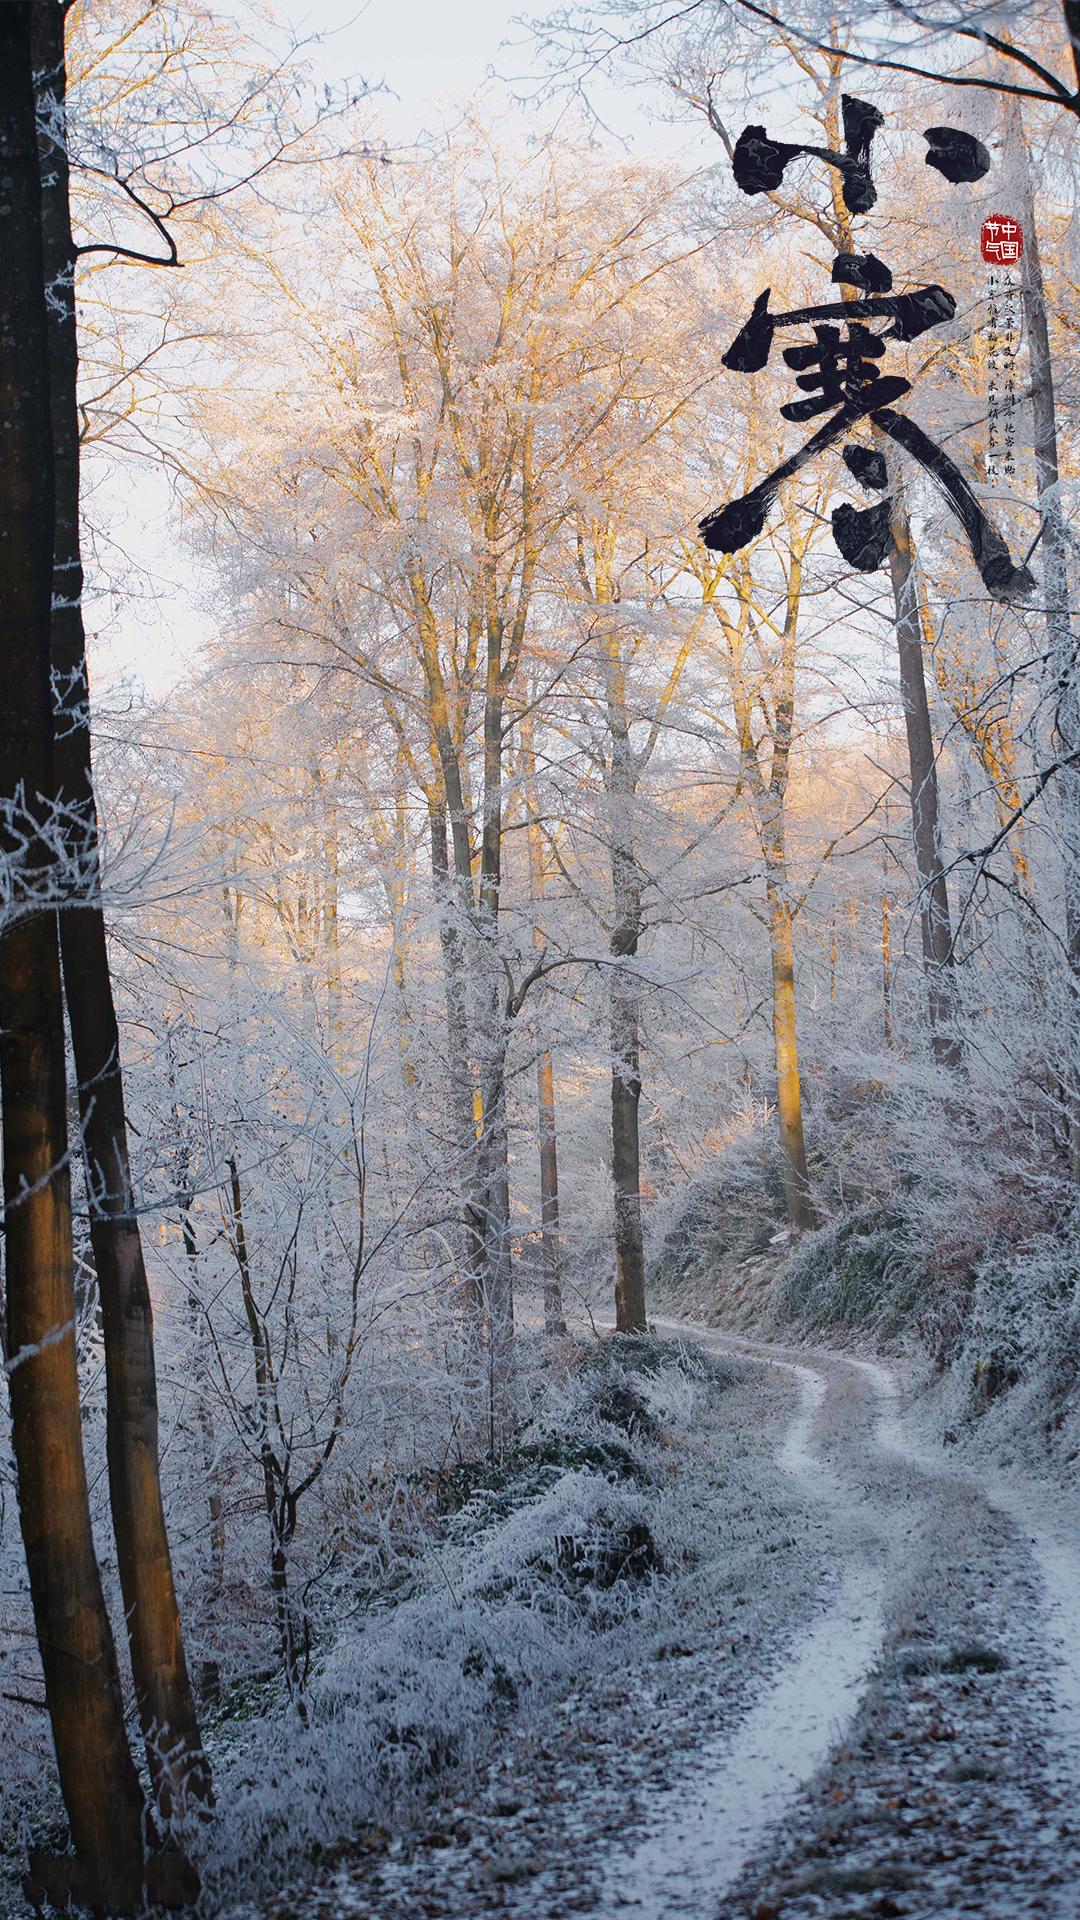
[520,1570]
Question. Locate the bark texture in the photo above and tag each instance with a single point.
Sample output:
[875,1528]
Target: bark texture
[765,730]
[545,1067]
[788,1082]
[625,1011]
[82,1688]
[460,1087]
[167,1714]
[772,809]
[1062,665]
[934,917]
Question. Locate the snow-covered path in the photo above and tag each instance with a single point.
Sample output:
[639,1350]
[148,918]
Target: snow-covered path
[895,1730]
[703,1830]
[745,1788]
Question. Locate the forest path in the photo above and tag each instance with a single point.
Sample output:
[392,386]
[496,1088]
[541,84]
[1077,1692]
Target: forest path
[875,1710]
[953,1766]
[702,1832]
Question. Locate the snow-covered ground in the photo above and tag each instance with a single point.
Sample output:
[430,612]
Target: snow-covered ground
[862,1700]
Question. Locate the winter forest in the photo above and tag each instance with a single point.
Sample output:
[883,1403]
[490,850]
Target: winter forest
[540,960]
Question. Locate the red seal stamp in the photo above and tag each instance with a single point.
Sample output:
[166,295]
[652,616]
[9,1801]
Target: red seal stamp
[1002,240]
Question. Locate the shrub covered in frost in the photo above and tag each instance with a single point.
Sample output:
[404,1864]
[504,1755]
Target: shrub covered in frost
[1017,1365]
[919,1179]
[860,1273]
[530,1566]
[730,1215]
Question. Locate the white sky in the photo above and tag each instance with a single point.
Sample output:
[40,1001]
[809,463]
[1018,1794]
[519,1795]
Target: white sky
[432,55]
[427,51]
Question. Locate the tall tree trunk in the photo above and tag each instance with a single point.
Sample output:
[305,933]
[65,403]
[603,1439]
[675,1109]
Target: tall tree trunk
[554,1321]
[396,893]
[274,1470]
[82,1687]
[499,1284]
[626,1059]
[934,915]
[989,730]
[781,917]
[178,1765]
[545,1069]
[490,1041]
[625,1031]
[462,1120]
[1063,667]
[626,1149]
[886,969]
[215,1505]
[935,923]
[185,1199]
[788,1083]
[331,930]
[492,1036]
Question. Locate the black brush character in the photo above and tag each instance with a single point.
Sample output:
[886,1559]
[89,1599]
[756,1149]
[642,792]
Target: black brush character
[838,369]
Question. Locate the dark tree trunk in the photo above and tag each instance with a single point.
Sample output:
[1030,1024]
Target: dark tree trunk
[166,1703]
[626,1100]
[82,1687]
[1053,550]
[462,1119]
[545,1067]
[934,915]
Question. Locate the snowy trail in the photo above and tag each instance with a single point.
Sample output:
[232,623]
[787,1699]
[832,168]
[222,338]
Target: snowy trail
[702,1831]
[1059,1565]
[693,1853]
[1040,1520]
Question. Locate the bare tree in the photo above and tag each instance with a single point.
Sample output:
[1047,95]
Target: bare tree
[167,1713]
[545,1068]
[82,1688]
[759,662]
[907,37]
[1063,666]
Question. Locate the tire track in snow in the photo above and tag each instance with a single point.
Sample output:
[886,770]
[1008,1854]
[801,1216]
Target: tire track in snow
[708,1827]
[1039,1519]
[705,1828]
